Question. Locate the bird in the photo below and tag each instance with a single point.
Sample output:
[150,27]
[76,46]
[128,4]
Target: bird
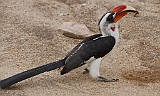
[88,53]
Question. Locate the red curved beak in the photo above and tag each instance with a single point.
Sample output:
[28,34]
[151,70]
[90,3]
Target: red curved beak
[122,10]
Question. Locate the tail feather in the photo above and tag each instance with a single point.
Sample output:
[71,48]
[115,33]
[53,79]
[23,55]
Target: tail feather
[30,73]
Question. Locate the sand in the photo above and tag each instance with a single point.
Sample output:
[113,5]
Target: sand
[29,38]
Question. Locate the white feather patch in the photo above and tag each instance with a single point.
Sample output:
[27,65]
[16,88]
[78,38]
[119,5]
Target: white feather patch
[94,68]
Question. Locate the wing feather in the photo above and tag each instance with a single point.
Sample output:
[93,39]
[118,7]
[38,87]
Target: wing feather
[94,47]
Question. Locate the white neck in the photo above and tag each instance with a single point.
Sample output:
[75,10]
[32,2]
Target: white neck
[115,34]
[108,32]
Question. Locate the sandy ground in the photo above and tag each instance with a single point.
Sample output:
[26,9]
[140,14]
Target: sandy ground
[29,38]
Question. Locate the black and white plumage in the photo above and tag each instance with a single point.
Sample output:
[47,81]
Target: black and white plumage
[89,52]
[92,48]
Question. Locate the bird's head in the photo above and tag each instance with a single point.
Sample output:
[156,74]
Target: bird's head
[108,22]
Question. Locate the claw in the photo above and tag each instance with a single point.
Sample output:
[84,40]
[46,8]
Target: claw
[107,80]
[86,71]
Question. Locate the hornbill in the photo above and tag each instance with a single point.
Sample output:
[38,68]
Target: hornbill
[89,52]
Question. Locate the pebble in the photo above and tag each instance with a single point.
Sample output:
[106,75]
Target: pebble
[62,14]
[75,30]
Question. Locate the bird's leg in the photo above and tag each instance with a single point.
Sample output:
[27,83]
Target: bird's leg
[94,71]
[107,80]
[86,70]
[94,68]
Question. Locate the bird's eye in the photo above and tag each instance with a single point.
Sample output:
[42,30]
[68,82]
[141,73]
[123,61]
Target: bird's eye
[110,18]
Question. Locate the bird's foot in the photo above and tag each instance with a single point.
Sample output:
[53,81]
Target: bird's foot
[107,80]
[86,71]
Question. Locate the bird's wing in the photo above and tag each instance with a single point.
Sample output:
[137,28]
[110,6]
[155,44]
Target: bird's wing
[97,47]
[84,41]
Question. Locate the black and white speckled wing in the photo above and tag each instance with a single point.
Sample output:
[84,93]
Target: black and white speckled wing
[84,41]
[94,47]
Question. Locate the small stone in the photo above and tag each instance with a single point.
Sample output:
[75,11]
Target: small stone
[155,10]
[63,14]
[60,14]
[131,0]
[75,30]
[84,4]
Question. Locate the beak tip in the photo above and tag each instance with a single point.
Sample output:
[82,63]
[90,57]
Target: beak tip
[122,10]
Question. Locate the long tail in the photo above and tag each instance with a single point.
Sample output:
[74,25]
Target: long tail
[30,73]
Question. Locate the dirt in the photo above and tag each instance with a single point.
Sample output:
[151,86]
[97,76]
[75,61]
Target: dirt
[29,38]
